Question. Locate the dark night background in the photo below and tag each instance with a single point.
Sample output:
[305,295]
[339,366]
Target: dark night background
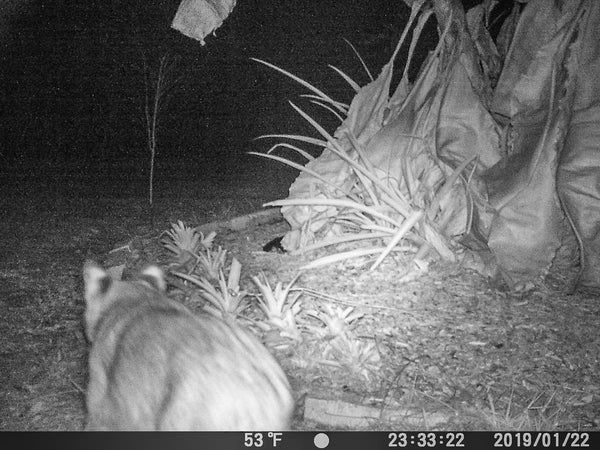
[72,76]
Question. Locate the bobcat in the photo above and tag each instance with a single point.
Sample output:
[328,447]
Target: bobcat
[156,366]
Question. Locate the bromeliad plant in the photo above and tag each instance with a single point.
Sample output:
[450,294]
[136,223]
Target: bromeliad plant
[212,261]
[285,319]
[280,307]
[181,238]
[354,355]
[341,347]
[226,299]
[337,321]
[411,208]
[192,249]
[195,255]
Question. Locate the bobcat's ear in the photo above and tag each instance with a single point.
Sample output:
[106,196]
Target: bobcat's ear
[96,281]
[155,277]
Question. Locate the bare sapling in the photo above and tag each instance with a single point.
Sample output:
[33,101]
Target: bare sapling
[158,90]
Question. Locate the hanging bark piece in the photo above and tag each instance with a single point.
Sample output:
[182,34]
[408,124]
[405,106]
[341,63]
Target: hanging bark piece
[198,18]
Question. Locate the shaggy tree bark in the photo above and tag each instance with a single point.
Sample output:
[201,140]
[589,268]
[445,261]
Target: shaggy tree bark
[451,14]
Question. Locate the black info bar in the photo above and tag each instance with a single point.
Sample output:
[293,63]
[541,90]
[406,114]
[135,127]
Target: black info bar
[304,440]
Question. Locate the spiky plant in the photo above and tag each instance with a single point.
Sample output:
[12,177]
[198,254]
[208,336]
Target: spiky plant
[187,243]
[355,355]
[181,238]
[226,299]
[280,306]
[337,321]
[212,261]
[417,207]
